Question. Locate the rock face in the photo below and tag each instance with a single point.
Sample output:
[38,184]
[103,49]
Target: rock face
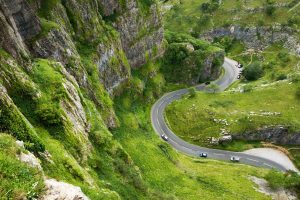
[141,33]
[18,23]
[277,135]
[62,191]
[258,38]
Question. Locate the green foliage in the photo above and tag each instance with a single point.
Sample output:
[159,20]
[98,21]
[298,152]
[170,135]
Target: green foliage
[18,180]
[49,78]
[211,6]
[288,180]
[284,56]
[270,8]
[253,71]
[47,6]
[184,58]
[192,92]
[13,122]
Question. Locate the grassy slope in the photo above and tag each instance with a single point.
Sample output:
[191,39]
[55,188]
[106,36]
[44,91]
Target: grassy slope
[175,174]
[18,180]
[187,16]
[236,109]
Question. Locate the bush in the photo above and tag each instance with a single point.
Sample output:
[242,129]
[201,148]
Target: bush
[284,56]
[281,77]
[253,71]
[288,180]
[192,92]
[270,8]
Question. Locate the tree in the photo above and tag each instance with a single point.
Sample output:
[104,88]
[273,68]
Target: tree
[253,71]
[270,8]
[192,92]
[213,88]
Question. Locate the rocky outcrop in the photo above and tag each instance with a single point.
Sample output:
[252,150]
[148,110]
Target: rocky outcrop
[62,191]
[258,38]
[18,23]
[141,34]
[140,29]
[277,135]
[113,66]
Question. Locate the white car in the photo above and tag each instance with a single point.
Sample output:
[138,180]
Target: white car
[234,159]
[203,155]
[164,137]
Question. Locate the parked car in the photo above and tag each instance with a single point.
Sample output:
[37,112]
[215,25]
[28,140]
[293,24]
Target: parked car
[240,66]
[164,137]
[207,83]
[203,155]
[238,77]
[234,159]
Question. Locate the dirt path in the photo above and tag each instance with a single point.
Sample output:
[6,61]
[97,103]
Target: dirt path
[273,154]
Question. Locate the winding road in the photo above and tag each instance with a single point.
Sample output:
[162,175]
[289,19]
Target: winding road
[160,126]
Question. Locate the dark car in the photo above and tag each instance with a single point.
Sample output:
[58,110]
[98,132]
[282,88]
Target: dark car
[203,155]
[164,137]
[207,83]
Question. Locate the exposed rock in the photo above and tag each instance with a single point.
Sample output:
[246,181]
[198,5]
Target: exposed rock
[277,135]
[258,38]
[276,194]
[62,191]
[17,24]
[141,33]
[113,66]
[30,160]
[58,45]
[225,139]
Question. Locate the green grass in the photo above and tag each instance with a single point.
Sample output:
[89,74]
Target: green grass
[187,16]
[179,176]
[193,118]
[17,180]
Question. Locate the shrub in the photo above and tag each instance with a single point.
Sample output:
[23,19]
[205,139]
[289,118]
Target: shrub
[284,56]
[192,92]
[281,77]
[247,88]
[270,8]
[253,71]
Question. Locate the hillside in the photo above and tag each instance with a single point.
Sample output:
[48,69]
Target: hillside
[77,82]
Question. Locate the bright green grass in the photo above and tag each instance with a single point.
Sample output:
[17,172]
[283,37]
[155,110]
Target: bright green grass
[179,176]
[193,118]
[17,180]
[185,17]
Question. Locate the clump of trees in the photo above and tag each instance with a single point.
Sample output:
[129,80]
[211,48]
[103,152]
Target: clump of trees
[253,71]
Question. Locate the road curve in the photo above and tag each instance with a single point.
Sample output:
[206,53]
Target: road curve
[160,126]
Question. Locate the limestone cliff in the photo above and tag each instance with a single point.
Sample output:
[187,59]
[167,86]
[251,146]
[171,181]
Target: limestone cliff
[61,64]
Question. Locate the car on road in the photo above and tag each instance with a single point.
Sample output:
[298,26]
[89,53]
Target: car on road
[234,159]
[238,77]
[203,155]
[164,137]
[207,83]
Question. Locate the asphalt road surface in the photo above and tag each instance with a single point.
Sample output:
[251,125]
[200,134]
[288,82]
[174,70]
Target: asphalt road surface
[158,122]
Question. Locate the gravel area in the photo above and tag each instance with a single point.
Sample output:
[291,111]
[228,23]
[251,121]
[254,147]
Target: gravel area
[273,154]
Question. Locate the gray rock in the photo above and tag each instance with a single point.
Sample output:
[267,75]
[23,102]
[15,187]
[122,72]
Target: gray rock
[258,38]
[277,135]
